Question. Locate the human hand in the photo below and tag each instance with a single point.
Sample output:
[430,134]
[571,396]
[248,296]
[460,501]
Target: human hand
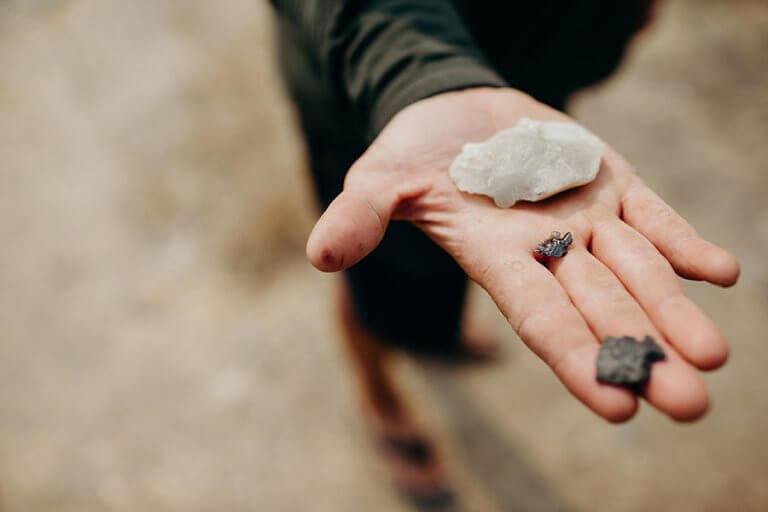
[617,279]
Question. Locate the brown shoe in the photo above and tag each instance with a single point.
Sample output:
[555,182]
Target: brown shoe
[412,461]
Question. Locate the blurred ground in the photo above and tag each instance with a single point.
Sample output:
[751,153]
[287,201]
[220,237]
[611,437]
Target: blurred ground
[165,347]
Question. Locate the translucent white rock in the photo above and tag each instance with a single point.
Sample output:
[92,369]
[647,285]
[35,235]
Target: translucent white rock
[531,161]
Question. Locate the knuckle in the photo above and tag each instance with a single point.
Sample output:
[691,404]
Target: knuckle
[668,302]
[523,324]
[683,240]
[538,323]
[601,212]
[564,363]
[604,289]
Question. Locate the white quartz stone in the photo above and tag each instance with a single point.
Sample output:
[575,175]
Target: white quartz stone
[531,161]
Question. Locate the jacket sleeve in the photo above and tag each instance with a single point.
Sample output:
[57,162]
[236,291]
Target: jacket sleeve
[383,55]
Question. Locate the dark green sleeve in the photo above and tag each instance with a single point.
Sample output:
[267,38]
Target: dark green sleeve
[383,55]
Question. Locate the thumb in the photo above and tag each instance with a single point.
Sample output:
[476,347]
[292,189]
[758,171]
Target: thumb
[351,227]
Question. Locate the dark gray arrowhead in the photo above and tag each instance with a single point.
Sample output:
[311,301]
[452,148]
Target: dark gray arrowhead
[555,246]
[627,362]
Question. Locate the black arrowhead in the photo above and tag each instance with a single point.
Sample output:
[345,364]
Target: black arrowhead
[627,362]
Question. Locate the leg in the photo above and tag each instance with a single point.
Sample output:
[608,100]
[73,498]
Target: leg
[371,362]
[411,458]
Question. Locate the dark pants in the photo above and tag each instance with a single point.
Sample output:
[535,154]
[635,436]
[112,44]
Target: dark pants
[408,290]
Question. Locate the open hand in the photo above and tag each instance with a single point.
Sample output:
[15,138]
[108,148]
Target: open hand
[617,279]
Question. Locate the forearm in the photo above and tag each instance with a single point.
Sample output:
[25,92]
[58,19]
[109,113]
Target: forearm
[382,55]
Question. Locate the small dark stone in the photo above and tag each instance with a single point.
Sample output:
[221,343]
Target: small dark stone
[555,246]
[627,362]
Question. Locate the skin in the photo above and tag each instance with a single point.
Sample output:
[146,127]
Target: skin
[617,279]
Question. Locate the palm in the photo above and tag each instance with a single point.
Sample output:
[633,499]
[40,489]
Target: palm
[618,278]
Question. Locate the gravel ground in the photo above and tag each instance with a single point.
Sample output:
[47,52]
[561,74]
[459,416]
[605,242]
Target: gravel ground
[165,347]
